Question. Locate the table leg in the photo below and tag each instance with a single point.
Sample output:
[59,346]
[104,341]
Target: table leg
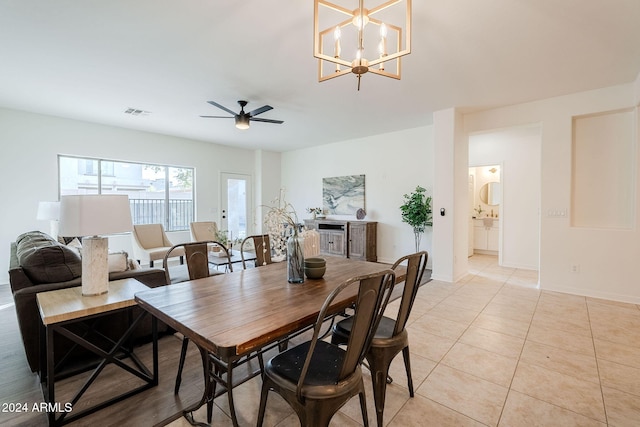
[110,357]
[156,368]
[187,413]
[50,375]
[210,380]
[232,409]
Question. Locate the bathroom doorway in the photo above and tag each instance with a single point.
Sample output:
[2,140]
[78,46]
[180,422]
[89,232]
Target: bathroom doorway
[517,153]
[485,194]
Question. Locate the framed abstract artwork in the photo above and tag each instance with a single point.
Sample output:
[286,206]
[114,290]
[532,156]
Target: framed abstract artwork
[343,195]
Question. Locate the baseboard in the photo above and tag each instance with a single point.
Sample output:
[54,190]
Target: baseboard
[592,294]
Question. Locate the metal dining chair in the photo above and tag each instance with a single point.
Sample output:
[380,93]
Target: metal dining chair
[261,245]
[391,336]
[316,377]
[197,258]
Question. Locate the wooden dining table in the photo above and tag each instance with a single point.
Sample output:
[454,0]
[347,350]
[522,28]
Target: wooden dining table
[234,315]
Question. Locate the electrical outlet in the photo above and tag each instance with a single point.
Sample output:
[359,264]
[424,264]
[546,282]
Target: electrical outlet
[575,268]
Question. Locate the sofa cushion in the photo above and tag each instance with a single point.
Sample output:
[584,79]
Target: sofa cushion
[118,261]
[69,240]
[45,260]
[74,243]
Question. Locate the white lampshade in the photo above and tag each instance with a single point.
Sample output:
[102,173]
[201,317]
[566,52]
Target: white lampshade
[48,211]
[92,215]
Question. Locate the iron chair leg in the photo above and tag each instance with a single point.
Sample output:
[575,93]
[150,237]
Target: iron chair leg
[379,363]
[407,367]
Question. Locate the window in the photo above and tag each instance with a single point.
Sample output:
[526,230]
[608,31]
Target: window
[157,193]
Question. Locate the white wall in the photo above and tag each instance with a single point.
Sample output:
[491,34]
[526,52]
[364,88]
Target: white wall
[451,233]
[28,167]
[606,259]
[517,151]
[266,186]
[603,170]
[636,91]
[393,165]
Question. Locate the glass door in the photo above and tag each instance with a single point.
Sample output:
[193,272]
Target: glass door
[235,205]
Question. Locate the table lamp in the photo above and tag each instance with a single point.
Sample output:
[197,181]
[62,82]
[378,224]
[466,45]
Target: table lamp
[90,216]
[49,211]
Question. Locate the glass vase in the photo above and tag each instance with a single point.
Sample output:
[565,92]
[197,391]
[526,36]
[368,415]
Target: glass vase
[295,259]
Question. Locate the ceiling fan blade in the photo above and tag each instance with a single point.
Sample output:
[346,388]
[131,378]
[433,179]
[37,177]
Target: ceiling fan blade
[260,110]
[222,107]
[253,119]
[217,117]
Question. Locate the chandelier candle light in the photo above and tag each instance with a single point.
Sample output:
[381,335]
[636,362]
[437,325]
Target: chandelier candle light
[383,26]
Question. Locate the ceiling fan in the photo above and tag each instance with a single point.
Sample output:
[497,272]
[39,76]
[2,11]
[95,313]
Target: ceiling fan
[242,118]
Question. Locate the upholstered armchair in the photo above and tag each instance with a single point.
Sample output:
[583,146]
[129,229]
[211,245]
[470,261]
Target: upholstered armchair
[150,243]
[203,230]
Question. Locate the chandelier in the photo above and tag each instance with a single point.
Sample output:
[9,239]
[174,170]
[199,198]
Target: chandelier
[361,40]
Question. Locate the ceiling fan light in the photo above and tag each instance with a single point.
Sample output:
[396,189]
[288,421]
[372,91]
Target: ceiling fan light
[242,122]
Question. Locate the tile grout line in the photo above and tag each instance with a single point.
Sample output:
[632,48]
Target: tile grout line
[595,353]
[519,357]
[438,363]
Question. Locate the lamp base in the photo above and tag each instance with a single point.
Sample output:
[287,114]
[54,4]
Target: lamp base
[95,266]
[53,228]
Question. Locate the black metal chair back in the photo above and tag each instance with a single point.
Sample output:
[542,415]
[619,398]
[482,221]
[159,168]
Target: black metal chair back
[262,246]
[316,377]
[416,264]
[391,336]
[197,257]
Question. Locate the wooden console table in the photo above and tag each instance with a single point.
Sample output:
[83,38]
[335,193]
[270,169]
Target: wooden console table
[63,307]
[350,239]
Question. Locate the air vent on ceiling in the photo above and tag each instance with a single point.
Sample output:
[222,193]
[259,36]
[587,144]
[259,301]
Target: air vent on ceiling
[136,112]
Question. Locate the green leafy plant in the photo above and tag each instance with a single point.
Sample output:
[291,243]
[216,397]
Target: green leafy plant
[222,236]
[416,211]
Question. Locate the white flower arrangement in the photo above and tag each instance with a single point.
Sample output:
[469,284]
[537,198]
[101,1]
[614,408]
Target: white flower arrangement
[281,221]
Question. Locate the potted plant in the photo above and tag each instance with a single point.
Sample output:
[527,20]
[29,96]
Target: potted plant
[220,236]
[416,211]
[314,212]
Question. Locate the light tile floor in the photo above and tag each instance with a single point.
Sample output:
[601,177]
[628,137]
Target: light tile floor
[492,350]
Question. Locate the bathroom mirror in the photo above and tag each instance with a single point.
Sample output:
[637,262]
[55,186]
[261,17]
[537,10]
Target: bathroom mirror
[490,193]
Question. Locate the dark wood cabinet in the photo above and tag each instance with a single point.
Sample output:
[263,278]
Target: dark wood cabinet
[352,239]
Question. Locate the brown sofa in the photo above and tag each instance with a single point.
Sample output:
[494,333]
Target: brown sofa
[39,263]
